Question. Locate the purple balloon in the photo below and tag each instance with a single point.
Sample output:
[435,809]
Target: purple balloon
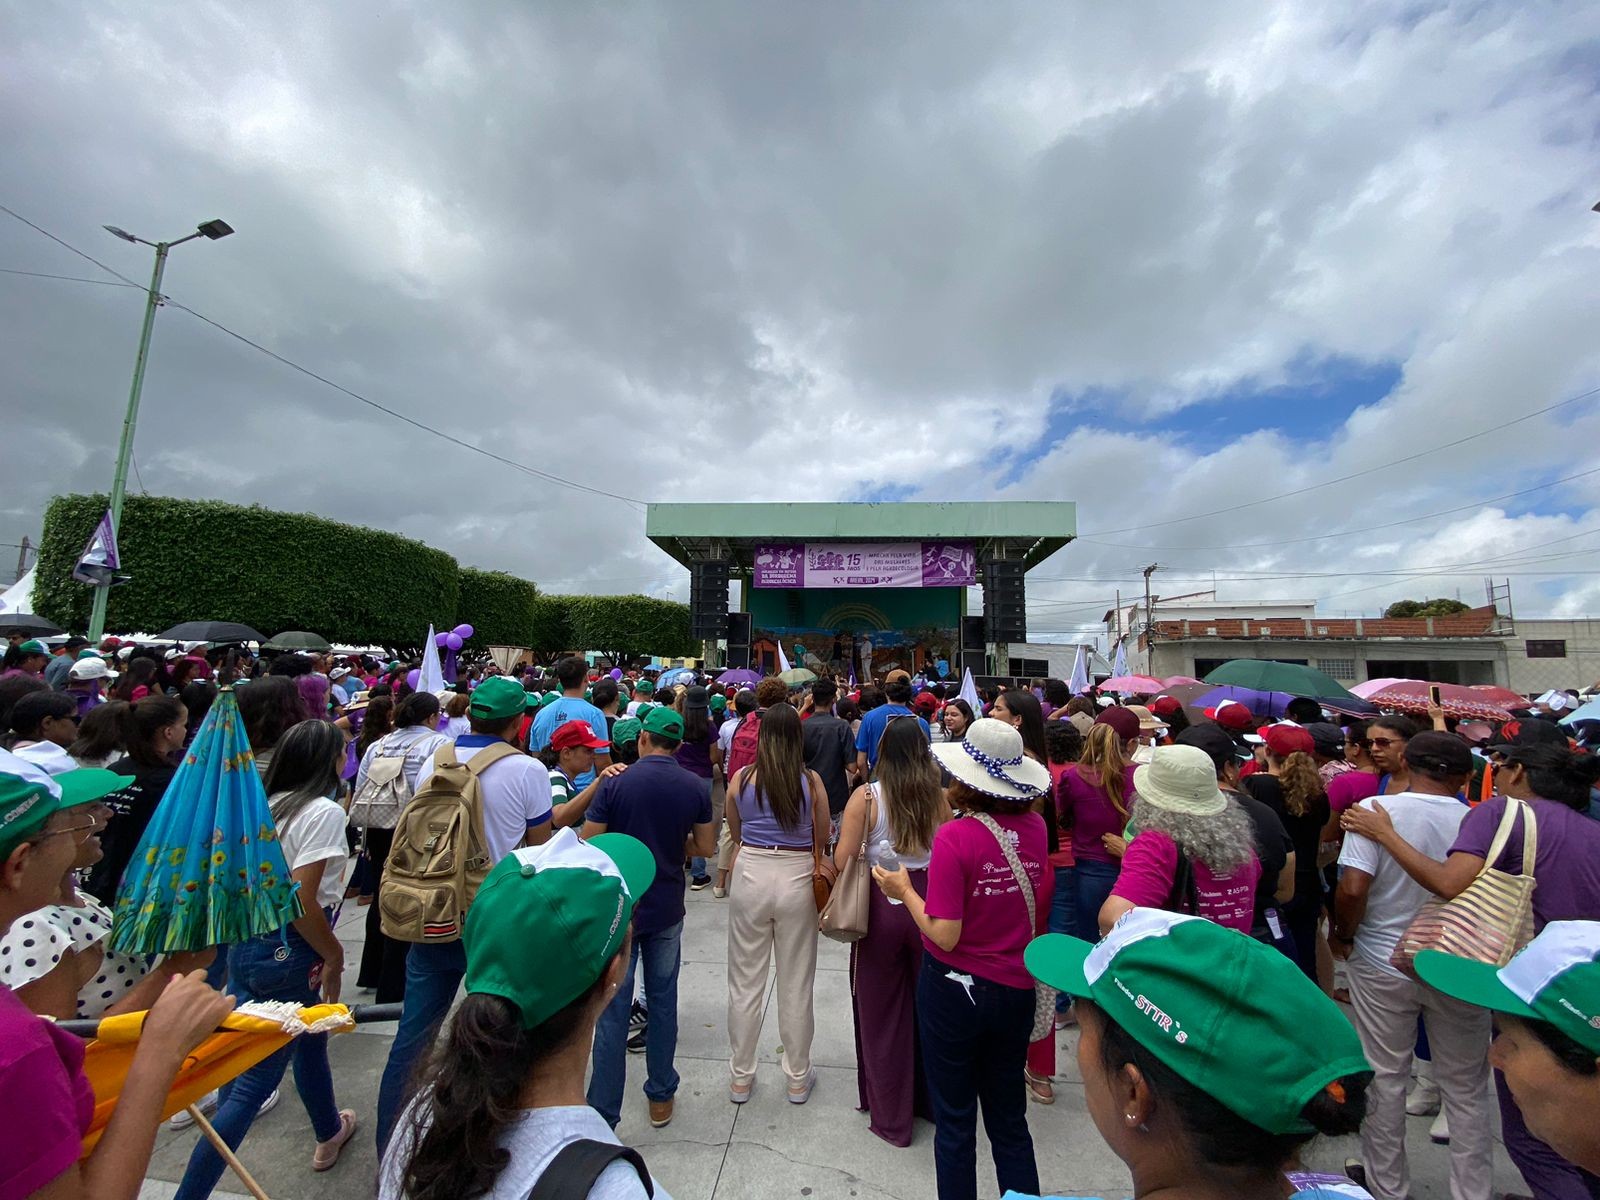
[441,640]
[616,672]
[463,631]
[452,641]
[411,679]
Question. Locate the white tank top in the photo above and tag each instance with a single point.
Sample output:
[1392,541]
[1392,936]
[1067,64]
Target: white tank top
[880,844]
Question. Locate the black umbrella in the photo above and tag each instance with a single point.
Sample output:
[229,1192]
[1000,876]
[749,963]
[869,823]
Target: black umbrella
[27,623]
[209,631]
[297,639]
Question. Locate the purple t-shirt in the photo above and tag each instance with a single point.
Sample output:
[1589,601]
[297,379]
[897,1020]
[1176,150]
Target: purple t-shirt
[1566,861]
[970,881]
[46,1102]
[1150,867]
[695,757]
[1350,789]
[1086,808]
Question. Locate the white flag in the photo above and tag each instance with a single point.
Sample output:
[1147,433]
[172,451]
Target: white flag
[783,659]
[1120,667]
[1079,683]
[969,693]
[431,676]
[99,562]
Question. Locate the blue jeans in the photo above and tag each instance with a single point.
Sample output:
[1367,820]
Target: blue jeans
[973,1052]
[661,954]
[1094,881]
[1063,918]
[276,966]
[433,973]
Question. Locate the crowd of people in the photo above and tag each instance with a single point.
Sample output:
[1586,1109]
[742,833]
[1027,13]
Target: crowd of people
[1225,910]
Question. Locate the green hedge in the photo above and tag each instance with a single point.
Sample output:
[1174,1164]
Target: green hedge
[499,607]
[551,631]
[628,627]
[275,571]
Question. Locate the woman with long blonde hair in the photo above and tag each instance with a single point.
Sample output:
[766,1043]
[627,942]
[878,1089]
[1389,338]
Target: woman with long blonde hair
[777,815]
[896,816]
[1094,799]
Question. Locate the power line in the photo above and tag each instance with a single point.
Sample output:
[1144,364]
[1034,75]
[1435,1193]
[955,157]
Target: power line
[67,278]
[322,379]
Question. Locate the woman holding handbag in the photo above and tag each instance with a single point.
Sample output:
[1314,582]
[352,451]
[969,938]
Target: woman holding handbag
[777,813]
[1555,783]
[977,1005]
[892,821]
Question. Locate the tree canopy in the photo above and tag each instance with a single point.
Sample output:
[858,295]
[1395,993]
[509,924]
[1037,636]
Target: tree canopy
[1440,607]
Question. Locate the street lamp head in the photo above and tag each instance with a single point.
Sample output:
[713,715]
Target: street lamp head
[215,229]
[121,233]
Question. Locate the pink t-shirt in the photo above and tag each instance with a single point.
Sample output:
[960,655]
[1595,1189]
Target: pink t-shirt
[46,1102]
[1350,789]
[1151,865]
[1087,808]
[970,881]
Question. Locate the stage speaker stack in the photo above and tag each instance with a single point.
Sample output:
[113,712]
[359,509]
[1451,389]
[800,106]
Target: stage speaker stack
[708,600]
[738,634]
[1005,603]
[972,647]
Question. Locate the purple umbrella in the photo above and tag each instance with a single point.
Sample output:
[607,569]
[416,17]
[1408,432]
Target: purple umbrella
[739,676]
[1273,704]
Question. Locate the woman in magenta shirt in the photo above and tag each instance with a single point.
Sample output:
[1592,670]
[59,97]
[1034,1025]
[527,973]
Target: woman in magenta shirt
[1094,800]
[975,998]
[1192,848]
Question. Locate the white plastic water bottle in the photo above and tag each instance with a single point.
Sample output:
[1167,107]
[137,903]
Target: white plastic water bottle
[888,860]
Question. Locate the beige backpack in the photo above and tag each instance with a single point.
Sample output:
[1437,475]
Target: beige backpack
[440,855]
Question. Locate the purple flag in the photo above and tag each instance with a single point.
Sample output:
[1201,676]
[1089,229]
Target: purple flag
[99,562]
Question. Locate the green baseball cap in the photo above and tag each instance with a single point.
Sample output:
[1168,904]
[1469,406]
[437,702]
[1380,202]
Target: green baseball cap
[29,797]
[1230,1015]
[89,652]
[719,702]
[626,730]
[644,688]
[1555,978]
[549,918]
[549,698]
[644,710]
[498,698]
[664,721]
[32,646]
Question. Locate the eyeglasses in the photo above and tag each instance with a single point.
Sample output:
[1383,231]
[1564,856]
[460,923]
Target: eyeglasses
[50,833]
[1377,741]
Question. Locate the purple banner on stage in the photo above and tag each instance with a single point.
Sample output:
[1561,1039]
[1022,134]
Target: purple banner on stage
[865,564]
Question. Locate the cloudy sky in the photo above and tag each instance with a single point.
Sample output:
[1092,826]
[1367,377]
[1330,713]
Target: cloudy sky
[1177,262]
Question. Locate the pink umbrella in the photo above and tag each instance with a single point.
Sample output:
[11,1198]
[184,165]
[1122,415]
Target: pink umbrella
[1365,690]
[1463,703]
[1494,694]
[1129,684]
[1175,680]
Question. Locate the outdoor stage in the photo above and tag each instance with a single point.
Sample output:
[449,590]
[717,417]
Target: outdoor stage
[862,588]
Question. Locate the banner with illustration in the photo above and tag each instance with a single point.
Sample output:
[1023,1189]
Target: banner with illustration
[865,565]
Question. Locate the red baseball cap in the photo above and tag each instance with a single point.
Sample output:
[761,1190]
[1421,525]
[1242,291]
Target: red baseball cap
[1284,740]
[1124,722]
[574,734]
[1166,706]
[925,702]
[1230,714]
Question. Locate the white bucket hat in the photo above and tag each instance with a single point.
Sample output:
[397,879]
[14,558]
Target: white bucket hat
[989,759]
[1180,779]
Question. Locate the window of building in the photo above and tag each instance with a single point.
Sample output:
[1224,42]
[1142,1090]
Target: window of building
[1337,668]
[1546,648]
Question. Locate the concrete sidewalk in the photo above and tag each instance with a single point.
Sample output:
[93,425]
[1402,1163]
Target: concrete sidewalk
[714,1150]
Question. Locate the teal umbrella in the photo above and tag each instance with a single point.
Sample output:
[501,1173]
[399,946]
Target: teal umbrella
[209,870]
[1265,675]
[297,639]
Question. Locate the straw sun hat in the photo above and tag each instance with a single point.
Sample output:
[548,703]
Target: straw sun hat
[989,759]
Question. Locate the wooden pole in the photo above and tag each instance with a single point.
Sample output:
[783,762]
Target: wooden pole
[228,1156]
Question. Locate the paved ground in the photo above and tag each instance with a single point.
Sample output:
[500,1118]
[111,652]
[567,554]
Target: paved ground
[712,1149]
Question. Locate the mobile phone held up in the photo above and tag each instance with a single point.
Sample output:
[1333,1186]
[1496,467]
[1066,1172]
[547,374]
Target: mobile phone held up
[1433,694]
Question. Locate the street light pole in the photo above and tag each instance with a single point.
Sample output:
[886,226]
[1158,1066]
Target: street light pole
[119,480]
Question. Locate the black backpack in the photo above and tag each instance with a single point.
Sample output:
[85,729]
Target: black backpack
[577,1165]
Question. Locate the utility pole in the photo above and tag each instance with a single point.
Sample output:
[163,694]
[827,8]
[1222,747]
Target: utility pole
[212,230]
[1149,623]
[22,557]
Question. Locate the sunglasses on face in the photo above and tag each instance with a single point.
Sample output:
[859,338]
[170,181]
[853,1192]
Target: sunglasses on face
[1379,741]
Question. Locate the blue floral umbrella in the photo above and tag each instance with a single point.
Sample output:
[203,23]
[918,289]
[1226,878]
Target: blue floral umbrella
[209,870]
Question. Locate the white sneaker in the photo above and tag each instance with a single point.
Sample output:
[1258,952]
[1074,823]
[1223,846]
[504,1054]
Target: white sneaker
[267,1105]
[1439,1131]
[182,1120]
[1424,1098]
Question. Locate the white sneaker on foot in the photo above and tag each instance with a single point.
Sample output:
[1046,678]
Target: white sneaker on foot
[1424,1099]
[1439,1131]
[182,1120]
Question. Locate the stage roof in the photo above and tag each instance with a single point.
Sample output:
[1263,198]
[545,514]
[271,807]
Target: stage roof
[1030,530]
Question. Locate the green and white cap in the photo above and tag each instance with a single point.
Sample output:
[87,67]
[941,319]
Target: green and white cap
[1230,1015]
[549,918]
[30,796]
[1555,978]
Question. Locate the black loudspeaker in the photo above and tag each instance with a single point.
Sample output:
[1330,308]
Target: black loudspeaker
[708,600]
[738,634]
[974,660]
[972,634]
[1005,602]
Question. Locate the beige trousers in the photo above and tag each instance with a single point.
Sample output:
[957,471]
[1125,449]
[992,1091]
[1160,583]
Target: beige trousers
[719,794]
[771,915]
[1386,1007]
